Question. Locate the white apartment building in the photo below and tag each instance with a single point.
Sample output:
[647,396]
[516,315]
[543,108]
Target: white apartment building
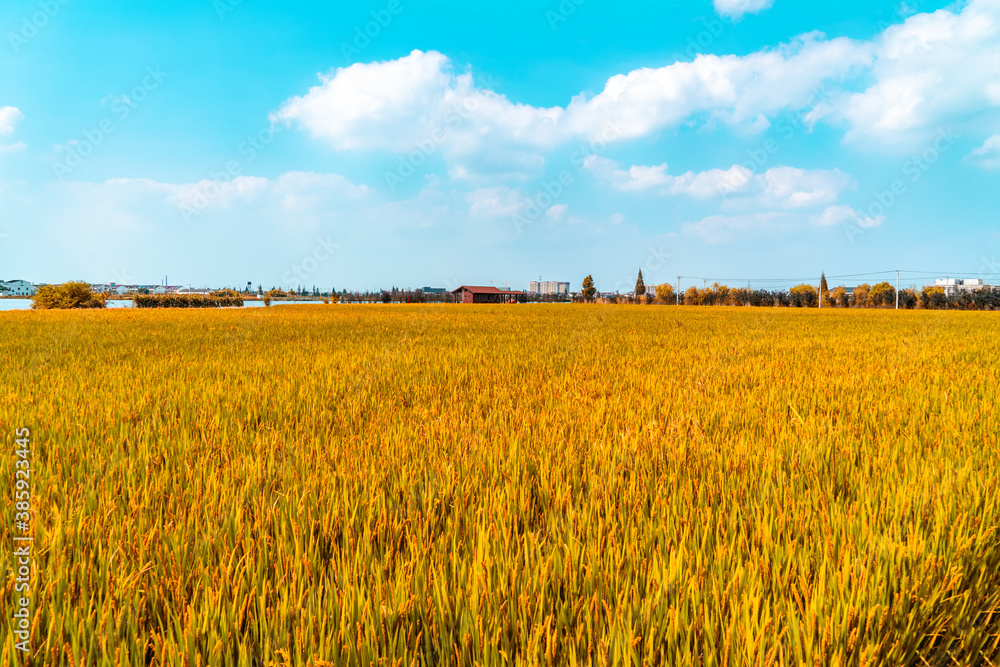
[17,288]
[548,287]
[953,286]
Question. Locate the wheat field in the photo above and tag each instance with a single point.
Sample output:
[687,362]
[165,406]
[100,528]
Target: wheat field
[494,485]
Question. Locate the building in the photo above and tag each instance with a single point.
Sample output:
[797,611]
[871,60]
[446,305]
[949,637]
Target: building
[17,288]
[953,286]
[478,294]
[433,290]
[548,287]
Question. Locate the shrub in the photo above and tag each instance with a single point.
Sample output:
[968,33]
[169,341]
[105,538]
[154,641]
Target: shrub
[213,300]
[66,296]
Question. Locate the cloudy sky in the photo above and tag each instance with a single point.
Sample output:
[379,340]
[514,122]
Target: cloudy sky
[426,142]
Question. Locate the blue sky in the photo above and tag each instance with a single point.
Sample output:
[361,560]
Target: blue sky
[220,142]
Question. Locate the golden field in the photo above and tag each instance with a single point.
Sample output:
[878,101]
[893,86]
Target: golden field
[564,484]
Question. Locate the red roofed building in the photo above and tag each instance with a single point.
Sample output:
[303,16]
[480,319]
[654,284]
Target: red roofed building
[476,294]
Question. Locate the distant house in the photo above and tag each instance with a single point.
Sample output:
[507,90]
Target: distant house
[953,286]
[17,288]
[482,294]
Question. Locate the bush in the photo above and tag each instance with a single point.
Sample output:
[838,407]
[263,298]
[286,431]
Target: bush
[213,300]
[67,295]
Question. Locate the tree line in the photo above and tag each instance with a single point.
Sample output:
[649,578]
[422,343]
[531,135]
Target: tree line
[880,295]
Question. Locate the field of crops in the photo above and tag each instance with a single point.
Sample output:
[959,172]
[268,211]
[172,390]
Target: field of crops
[533,484]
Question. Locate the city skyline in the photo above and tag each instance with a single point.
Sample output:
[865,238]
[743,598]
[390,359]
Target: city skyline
[395,144]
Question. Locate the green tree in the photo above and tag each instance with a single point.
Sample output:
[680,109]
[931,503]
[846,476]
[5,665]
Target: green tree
[824,290]
[640,287]
[589,291]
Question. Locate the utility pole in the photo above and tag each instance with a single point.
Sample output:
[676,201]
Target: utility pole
[897,289]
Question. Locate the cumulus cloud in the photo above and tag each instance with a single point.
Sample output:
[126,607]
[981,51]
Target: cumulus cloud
[987,155]
[735,9]
[845,215]
[9,118]
[930,70]
[782,187]
[421,103]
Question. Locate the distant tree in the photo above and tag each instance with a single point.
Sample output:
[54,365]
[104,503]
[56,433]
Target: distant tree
[386,297]
[67,295]
[802,296]
[838,297]
[640,288]
[882,295]
[859,299]
[260,290]
[589,291]
[823,289]
[665,293]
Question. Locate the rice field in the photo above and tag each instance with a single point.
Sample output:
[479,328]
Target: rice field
[513,485]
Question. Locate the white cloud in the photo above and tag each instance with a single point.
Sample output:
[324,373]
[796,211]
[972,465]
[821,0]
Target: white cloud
[987,155]
[735,9]
[292,194]
[617,219]
[728,228]
[557,212]
[789,187]
[782,187]
[9,118]
[495,202]
[418,103]
[930,70]
[845,215]
[933,69]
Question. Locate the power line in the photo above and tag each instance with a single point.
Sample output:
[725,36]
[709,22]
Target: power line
[925,275]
